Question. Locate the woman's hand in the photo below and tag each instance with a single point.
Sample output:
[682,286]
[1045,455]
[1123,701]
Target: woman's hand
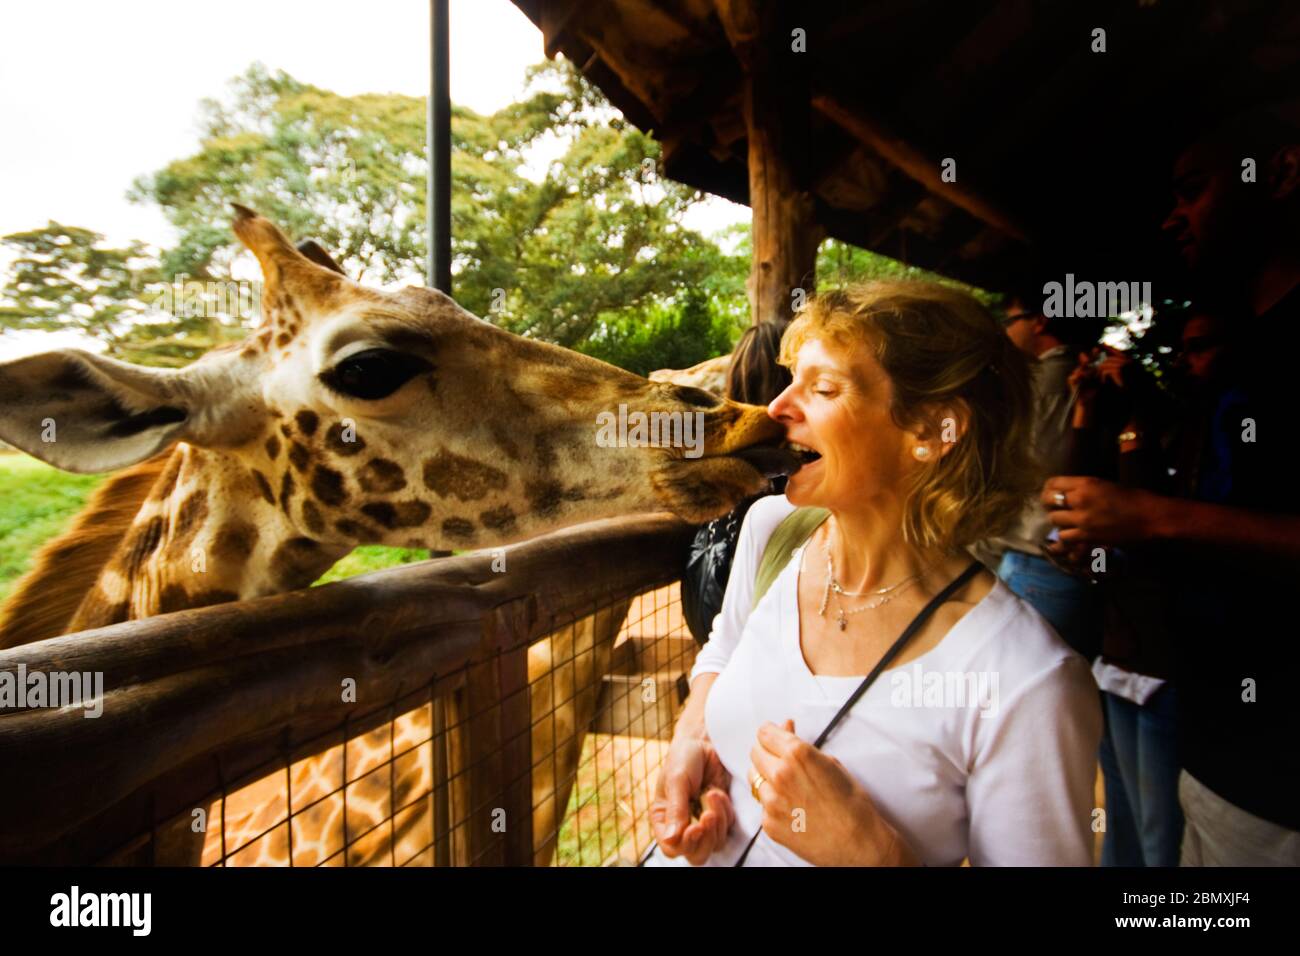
[811,805]
[692,769]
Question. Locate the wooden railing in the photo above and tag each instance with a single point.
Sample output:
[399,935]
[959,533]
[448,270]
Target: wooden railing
[196,701]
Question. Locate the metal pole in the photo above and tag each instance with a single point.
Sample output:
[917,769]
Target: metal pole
[438,126]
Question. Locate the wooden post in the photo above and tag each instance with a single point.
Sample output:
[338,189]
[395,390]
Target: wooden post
[497,763]
[785,230]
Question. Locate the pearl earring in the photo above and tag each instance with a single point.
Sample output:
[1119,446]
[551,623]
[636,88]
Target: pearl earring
[921,452]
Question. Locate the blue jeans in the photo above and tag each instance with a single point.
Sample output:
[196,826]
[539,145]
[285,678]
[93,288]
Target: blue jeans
[1144,820]
[1071,605]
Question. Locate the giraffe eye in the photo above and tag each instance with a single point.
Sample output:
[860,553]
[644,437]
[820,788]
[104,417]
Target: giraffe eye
[374,373]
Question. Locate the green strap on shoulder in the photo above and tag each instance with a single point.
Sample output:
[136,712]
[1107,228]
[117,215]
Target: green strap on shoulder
[796,528]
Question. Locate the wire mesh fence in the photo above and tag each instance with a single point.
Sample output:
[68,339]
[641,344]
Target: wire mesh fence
[440,714]
[441,775]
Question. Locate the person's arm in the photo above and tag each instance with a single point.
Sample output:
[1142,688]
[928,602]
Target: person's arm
[1030,793]
[692,770]
[1200,522]
[1104,513]
[690,723]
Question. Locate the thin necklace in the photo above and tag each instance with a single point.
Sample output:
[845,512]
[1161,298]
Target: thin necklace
[884,595]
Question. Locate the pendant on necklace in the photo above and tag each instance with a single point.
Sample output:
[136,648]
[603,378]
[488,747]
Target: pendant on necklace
[842,621]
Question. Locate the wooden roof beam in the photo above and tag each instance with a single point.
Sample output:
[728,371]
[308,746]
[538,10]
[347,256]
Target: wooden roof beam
[914,163]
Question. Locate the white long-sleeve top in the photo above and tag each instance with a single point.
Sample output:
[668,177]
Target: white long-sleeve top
[983,747]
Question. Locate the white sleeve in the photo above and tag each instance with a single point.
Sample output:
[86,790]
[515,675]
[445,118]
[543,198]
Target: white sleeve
[1030,792]
[760,521]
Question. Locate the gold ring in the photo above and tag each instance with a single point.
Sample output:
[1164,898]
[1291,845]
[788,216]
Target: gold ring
[756,783]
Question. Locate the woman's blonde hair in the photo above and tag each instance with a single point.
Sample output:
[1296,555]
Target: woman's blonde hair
[945,355]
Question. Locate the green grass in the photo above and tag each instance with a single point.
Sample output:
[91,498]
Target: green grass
[37,502]
[371,557]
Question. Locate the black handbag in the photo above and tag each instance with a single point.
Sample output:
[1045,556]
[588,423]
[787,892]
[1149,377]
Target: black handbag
[708,565]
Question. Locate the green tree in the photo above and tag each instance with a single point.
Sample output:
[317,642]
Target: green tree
[64,277]
[596,239]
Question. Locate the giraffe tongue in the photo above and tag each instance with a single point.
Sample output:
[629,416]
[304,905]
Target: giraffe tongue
[772,460]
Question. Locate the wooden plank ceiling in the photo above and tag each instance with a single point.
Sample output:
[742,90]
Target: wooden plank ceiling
[1062,154]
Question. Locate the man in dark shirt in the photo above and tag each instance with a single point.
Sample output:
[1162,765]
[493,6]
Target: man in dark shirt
[1234,539]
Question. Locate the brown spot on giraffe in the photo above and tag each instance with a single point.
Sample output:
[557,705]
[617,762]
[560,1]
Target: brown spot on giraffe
[311,517]
[307,421]
[401,514]
[336,440]
[264,486]
[544,451]
[295,559]
[286,489]
[193,512]
[140,546]
[546,497]
[285,430]
[273,448]
[283,339]
[234,541]
[206,598]
[455,476]
[458,528]
[502,437]
[356,529]
[327,486]
[173,598]
[299,457]
[501,519]
[380,476]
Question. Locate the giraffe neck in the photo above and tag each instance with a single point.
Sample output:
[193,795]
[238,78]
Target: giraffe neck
[208,532]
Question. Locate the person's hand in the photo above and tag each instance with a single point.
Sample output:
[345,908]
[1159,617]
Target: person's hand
[1097,512]
[1115,368]
[692,769]
[814,807]
[1083,379]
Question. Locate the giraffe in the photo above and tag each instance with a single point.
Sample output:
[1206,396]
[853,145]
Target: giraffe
[350,416]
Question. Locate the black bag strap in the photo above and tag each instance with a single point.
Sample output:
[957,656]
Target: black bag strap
[953,587]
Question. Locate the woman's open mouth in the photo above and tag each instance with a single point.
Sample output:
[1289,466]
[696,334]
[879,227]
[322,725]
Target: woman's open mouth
[774,460]
[803,453]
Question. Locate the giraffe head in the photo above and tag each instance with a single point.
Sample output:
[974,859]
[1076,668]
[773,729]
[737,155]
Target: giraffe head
[355,416]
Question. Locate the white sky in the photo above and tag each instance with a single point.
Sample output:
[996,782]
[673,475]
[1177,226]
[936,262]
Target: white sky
[95,93]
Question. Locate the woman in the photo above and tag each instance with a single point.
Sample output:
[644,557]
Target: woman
[980,740]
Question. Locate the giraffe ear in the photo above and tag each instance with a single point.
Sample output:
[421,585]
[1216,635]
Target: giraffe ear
[86,413]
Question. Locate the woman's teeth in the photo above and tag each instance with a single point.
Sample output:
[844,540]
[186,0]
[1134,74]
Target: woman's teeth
[803,452]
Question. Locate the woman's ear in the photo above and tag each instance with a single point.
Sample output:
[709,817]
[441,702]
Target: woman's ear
[942,429]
